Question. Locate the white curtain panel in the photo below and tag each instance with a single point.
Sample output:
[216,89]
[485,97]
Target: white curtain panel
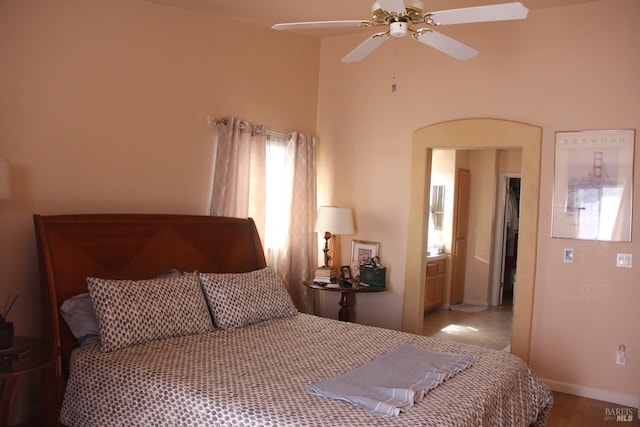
[271,178]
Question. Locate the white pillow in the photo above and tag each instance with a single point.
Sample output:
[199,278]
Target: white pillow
[240,299]
[80,316]
[131,312]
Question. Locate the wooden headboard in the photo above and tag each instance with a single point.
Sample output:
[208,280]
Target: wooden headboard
[131,246]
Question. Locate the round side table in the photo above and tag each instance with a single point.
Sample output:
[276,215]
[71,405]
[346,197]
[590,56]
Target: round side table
[28,355]
[346,298]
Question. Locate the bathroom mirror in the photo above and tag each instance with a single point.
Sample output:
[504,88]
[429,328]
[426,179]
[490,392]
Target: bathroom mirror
[437,206]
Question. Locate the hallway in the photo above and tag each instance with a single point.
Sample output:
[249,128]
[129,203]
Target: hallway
[488,328]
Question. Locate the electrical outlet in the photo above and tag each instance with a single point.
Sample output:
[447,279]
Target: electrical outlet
[624,261]
[621,355]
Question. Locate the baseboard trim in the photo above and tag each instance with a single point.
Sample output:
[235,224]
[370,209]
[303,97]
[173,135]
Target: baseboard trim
[593,393]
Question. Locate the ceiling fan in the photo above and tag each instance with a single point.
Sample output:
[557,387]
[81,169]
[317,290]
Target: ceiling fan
[402,20]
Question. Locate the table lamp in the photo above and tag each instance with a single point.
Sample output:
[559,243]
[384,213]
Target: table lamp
[333,220]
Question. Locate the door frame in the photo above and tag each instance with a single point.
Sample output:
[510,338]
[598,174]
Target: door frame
[478,134]
[499,238]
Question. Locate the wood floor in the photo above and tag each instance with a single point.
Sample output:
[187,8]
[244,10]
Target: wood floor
[574,411]
[492,328]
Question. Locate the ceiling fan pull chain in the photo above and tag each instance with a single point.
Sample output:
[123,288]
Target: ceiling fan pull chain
[394,83]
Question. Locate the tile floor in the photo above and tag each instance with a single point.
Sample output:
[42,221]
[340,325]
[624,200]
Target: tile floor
[489,328]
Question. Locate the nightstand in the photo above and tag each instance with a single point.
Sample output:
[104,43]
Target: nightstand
[347,296]
[28,355]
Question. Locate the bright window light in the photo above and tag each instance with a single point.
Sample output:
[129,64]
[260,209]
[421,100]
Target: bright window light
[278,183]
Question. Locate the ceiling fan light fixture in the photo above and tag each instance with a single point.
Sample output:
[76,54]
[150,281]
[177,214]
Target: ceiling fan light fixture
[400,17]
[398,29]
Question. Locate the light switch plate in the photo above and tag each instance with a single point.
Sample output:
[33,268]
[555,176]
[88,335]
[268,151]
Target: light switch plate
[568,255]
[624,261]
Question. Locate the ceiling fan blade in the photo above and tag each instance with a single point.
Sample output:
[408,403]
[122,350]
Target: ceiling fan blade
[396,6]
[365,48]
[447,45]
[318,24]
[495,12]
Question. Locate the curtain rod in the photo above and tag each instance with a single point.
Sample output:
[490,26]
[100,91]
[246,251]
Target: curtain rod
[243,126]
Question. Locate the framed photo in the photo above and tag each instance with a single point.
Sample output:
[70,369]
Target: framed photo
[363,251]
[593,185]
[346,272]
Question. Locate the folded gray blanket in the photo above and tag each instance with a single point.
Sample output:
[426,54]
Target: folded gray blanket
[394,381]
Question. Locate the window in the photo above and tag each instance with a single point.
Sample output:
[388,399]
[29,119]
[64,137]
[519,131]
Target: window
[278,190]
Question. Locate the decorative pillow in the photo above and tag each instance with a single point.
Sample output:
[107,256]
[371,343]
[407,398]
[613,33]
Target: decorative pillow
[79,314]
[131,312]
[241,299]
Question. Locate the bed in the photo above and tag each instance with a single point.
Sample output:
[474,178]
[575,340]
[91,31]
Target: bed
[245,357]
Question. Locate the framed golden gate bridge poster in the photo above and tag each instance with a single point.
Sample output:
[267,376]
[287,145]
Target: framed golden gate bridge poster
[593,185]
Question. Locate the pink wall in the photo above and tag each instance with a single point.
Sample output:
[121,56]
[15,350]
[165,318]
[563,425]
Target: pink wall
[104,108]
[565,68]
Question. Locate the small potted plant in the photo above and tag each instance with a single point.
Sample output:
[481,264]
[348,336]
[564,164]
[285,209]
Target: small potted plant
[6,327]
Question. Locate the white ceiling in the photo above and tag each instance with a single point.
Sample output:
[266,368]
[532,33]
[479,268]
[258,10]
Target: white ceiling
[269,12]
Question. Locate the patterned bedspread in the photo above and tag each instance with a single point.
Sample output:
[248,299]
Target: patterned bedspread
[256,375]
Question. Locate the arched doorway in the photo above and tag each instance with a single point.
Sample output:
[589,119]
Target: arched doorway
[470,134]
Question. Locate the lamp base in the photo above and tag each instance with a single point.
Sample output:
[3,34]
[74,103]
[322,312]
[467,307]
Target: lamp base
[327,257]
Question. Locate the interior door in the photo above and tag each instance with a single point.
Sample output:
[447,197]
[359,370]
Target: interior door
[461,196]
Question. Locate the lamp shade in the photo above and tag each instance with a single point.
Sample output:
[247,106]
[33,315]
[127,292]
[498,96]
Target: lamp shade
[334,220]
[5,179]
